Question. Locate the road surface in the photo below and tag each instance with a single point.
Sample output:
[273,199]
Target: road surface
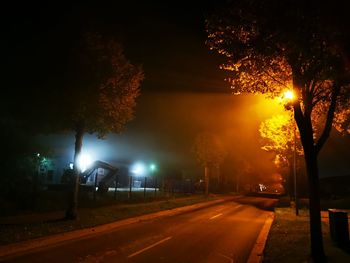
[222,233]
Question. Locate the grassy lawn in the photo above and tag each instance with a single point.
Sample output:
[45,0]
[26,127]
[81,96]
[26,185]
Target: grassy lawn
[289,241]
[52,223]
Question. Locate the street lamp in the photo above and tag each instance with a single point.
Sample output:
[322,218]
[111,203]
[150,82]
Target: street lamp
[138,169]
[153,168]
[289,95]
[84,162]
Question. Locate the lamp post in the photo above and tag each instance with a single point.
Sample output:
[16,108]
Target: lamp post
[153,168]
[115,186]
[144,188]
[138,169]
[130,186]
[295,172]
[289,95]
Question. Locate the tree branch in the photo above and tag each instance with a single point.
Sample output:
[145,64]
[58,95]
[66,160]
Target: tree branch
[273,78]
[330,115]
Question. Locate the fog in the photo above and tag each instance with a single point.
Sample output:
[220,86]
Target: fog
[166,124]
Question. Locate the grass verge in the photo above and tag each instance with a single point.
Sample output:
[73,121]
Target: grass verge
[289,241]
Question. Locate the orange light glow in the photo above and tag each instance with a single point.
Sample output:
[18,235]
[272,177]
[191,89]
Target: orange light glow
[289,95]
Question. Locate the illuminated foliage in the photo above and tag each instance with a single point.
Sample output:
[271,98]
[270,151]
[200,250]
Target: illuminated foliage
[278,136]
[278,133]
[273,45]
[342,120]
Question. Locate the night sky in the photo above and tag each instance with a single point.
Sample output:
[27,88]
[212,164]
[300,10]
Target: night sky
[183,92]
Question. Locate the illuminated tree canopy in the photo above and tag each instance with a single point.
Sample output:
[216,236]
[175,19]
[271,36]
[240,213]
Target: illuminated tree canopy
[274,45]
[267,59]
[277,133]
[278,137]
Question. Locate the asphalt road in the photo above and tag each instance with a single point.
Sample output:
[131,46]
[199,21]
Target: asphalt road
[222,233]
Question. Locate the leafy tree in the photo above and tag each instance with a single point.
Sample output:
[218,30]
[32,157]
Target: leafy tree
[99,95]
[209,152]
[275,45]
[278,137]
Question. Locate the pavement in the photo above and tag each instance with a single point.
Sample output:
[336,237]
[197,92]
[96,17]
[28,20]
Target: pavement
[30,246]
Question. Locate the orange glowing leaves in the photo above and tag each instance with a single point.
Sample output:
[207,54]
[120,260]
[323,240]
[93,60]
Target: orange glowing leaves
[278,135]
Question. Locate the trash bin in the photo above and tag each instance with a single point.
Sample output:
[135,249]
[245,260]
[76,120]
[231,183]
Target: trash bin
[339,229]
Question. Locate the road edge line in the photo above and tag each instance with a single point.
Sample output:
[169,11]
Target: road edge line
[149,247]
[257,253]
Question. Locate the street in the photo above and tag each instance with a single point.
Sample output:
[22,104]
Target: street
[225,232]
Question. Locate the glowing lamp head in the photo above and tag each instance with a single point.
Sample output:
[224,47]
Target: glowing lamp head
[289,95]
[138,169]
[84,161]
[152,167]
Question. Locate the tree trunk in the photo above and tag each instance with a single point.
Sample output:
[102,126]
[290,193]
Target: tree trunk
[206,179]
[72,212]
[317,250]
[302,116]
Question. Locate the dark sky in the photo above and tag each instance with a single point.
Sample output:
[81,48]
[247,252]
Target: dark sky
[167,38]
[183,92]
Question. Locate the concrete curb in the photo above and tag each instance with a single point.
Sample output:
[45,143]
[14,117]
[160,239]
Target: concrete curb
[256,254]
[54,240]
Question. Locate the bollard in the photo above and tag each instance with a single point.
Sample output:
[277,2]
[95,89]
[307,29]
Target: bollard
[339,229]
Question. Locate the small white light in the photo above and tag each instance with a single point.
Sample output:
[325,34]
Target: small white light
[138,169]
[84,161]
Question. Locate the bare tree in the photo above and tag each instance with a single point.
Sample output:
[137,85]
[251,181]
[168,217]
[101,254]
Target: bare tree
[209,152]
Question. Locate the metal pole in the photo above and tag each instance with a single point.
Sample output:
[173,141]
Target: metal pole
[295,173]
[96,175]
[130,186]
[155,186]
[144,188]
[116,186]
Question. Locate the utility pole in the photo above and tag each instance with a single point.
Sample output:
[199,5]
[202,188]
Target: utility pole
[130,187]
[295,173]
[144,188]
[115,186]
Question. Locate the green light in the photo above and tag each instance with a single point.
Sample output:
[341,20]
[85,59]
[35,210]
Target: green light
[152,167]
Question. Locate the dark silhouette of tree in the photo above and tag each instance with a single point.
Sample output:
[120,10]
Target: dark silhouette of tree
[209,152]
[98,96]
[275,45]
